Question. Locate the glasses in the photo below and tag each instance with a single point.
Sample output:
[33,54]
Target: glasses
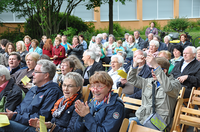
[38,72]
[68,86]
[97,87]
[29,60]
[114,62]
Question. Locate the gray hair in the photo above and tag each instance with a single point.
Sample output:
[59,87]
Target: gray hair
[76,77]
[137,31]
[119,58]
[104,34]
[48,67]
[93,37]
[198,48]
[4,71]
[126,34]
[98,37]
[112,36]
[91,54]
[193,49]
[139,50]
[123,53]
[158,37]
[155,42]
[168,37]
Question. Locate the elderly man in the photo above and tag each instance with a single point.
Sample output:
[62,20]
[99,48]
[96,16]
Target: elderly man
[170,46]
[187,71]
[166,89]
[14,62]
[162,46]
[138,39]
[10,93]
[145,45]
[39,100]
[92,66]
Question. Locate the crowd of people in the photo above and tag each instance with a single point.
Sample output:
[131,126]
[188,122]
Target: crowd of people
[58,95]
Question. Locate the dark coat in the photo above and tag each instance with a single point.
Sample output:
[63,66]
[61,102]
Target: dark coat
[162,46]
[78,51]
[23,61]
[193,72]
[140,41]
[144,44]
[186,44]
[13,95]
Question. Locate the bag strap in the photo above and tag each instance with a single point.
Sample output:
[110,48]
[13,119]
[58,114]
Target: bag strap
[153,96]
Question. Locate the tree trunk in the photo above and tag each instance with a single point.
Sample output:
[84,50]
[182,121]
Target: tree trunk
[110,16]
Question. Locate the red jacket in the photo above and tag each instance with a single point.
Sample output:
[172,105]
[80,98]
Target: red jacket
[60,52]
[48,52]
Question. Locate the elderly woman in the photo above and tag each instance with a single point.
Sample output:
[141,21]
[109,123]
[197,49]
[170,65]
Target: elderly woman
[105,112]
[198,54]
[76,48]
[117,63]
[31,61]
[92,41]
[96,47]
[177,52]
[151,29]
[21,49]
[4,58]
[110,46]
[104,38]
[35,48]
[63,113]
[183,41]
[79,68]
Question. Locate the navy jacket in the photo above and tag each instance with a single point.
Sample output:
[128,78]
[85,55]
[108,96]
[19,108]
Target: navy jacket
[186,44]
[78,51]
[37,102]
[162,46]
[108,119]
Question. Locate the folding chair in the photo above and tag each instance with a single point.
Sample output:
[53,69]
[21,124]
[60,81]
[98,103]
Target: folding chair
[86,92]
[124,125]
[137,128]
[119,91]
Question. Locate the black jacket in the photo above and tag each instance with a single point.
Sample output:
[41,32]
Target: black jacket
[78,51]
[193,72]
[144,44]
[186,44]
[13,95]
[140,41]
[95,67]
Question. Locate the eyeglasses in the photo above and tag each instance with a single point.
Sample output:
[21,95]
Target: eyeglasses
[29,60]
[38,72]
[114,62]
[97,87]
[68,86]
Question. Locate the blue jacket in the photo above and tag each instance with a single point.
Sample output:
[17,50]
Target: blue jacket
[108,119]
[37,102]
[162,46]
[37,50]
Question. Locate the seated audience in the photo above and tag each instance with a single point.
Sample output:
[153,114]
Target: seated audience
[47,48]
[4,58]
[187,71]
[31,61]
[92,41]
[184,42]
[3,44]
[125,39]
[14,62]
[105,112]
[27,42]
[198,54]
[83,42]
[63,113]
[119,47]
[110,46]
[96,48]
[79,68]
[104,38]
[43,41]
[177,52]
[35,48]
[167,90]
[169,45]
[21,49]
[92,66]
[39,100]
[10,93]
[162,46]
[58,52]
[64,43]
[145,45]
[117,63]
[46,57]
[138,39]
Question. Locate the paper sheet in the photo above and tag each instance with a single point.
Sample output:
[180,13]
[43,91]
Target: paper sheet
[134,49]
[119,50]
[25,80]
[122,73]
[4,121]
[43,127]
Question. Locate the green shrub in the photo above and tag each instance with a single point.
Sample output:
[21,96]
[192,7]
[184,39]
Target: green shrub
[178,24]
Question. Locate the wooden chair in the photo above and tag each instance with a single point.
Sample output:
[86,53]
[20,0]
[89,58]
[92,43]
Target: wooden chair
[86,92]
[137,128]
[133,101]
[119,91]
[124,125]
[185,115]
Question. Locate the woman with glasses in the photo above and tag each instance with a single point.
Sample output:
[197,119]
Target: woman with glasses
[63,113]
[31,61]
[105,112]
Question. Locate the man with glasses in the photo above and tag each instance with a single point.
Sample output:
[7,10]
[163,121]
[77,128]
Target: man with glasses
[39,100]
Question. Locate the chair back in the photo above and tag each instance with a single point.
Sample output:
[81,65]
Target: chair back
[119,91]
[124,125]
[137,128]
[85,92]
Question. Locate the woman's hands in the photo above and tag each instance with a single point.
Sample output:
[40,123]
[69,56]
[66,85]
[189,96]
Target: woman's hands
[35,122]
[81,108]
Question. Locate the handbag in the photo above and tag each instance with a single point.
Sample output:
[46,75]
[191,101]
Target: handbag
[154,121]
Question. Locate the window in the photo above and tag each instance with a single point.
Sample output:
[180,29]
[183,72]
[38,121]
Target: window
[189,8]
[120,12]
[11,17]
[157,9]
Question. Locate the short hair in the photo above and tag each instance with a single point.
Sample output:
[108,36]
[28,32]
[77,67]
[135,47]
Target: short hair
[71,63]
[155,42]
[81,36]
[91,54]
[158,37]
[194,51]
[77,62]
[77,39]
[35,56]
[101,77]
[178,47]
[163,62]
[198,48]
[9,43]
[43,56]
[104,34]
[93,37]
[98,37]
[119,42]
[16,54]
[78,79]
[48,67]
[124,54]
[4,71]
[111,35]
[119,59]
[184,36]
[43,36]
[23,45]
[64,36]
[168,37]
[58,38]
[3,42]
[27,37]
[137,31]
[139,50]
[35,41]
[150,34]
[167,53]
[126,34]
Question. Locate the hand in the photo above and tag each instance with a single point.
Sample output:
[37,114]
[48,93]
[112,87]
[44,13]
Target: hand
[138,59]
[28,85]
[81,108]
[10,114]
[113,48]
[34,122]
[152,61]
[182,78]
[55,56]
[107,47]
[66,55]
[123,81]
[71,47]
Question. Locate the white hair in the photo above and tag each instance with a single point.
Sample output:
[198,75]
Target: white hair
[155,42]
[4,71]
[198,48]
[139,50]
[126,34]
[168,37]
[104,34]
[119,58]
[98,37]
[193,49]
[91,54]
